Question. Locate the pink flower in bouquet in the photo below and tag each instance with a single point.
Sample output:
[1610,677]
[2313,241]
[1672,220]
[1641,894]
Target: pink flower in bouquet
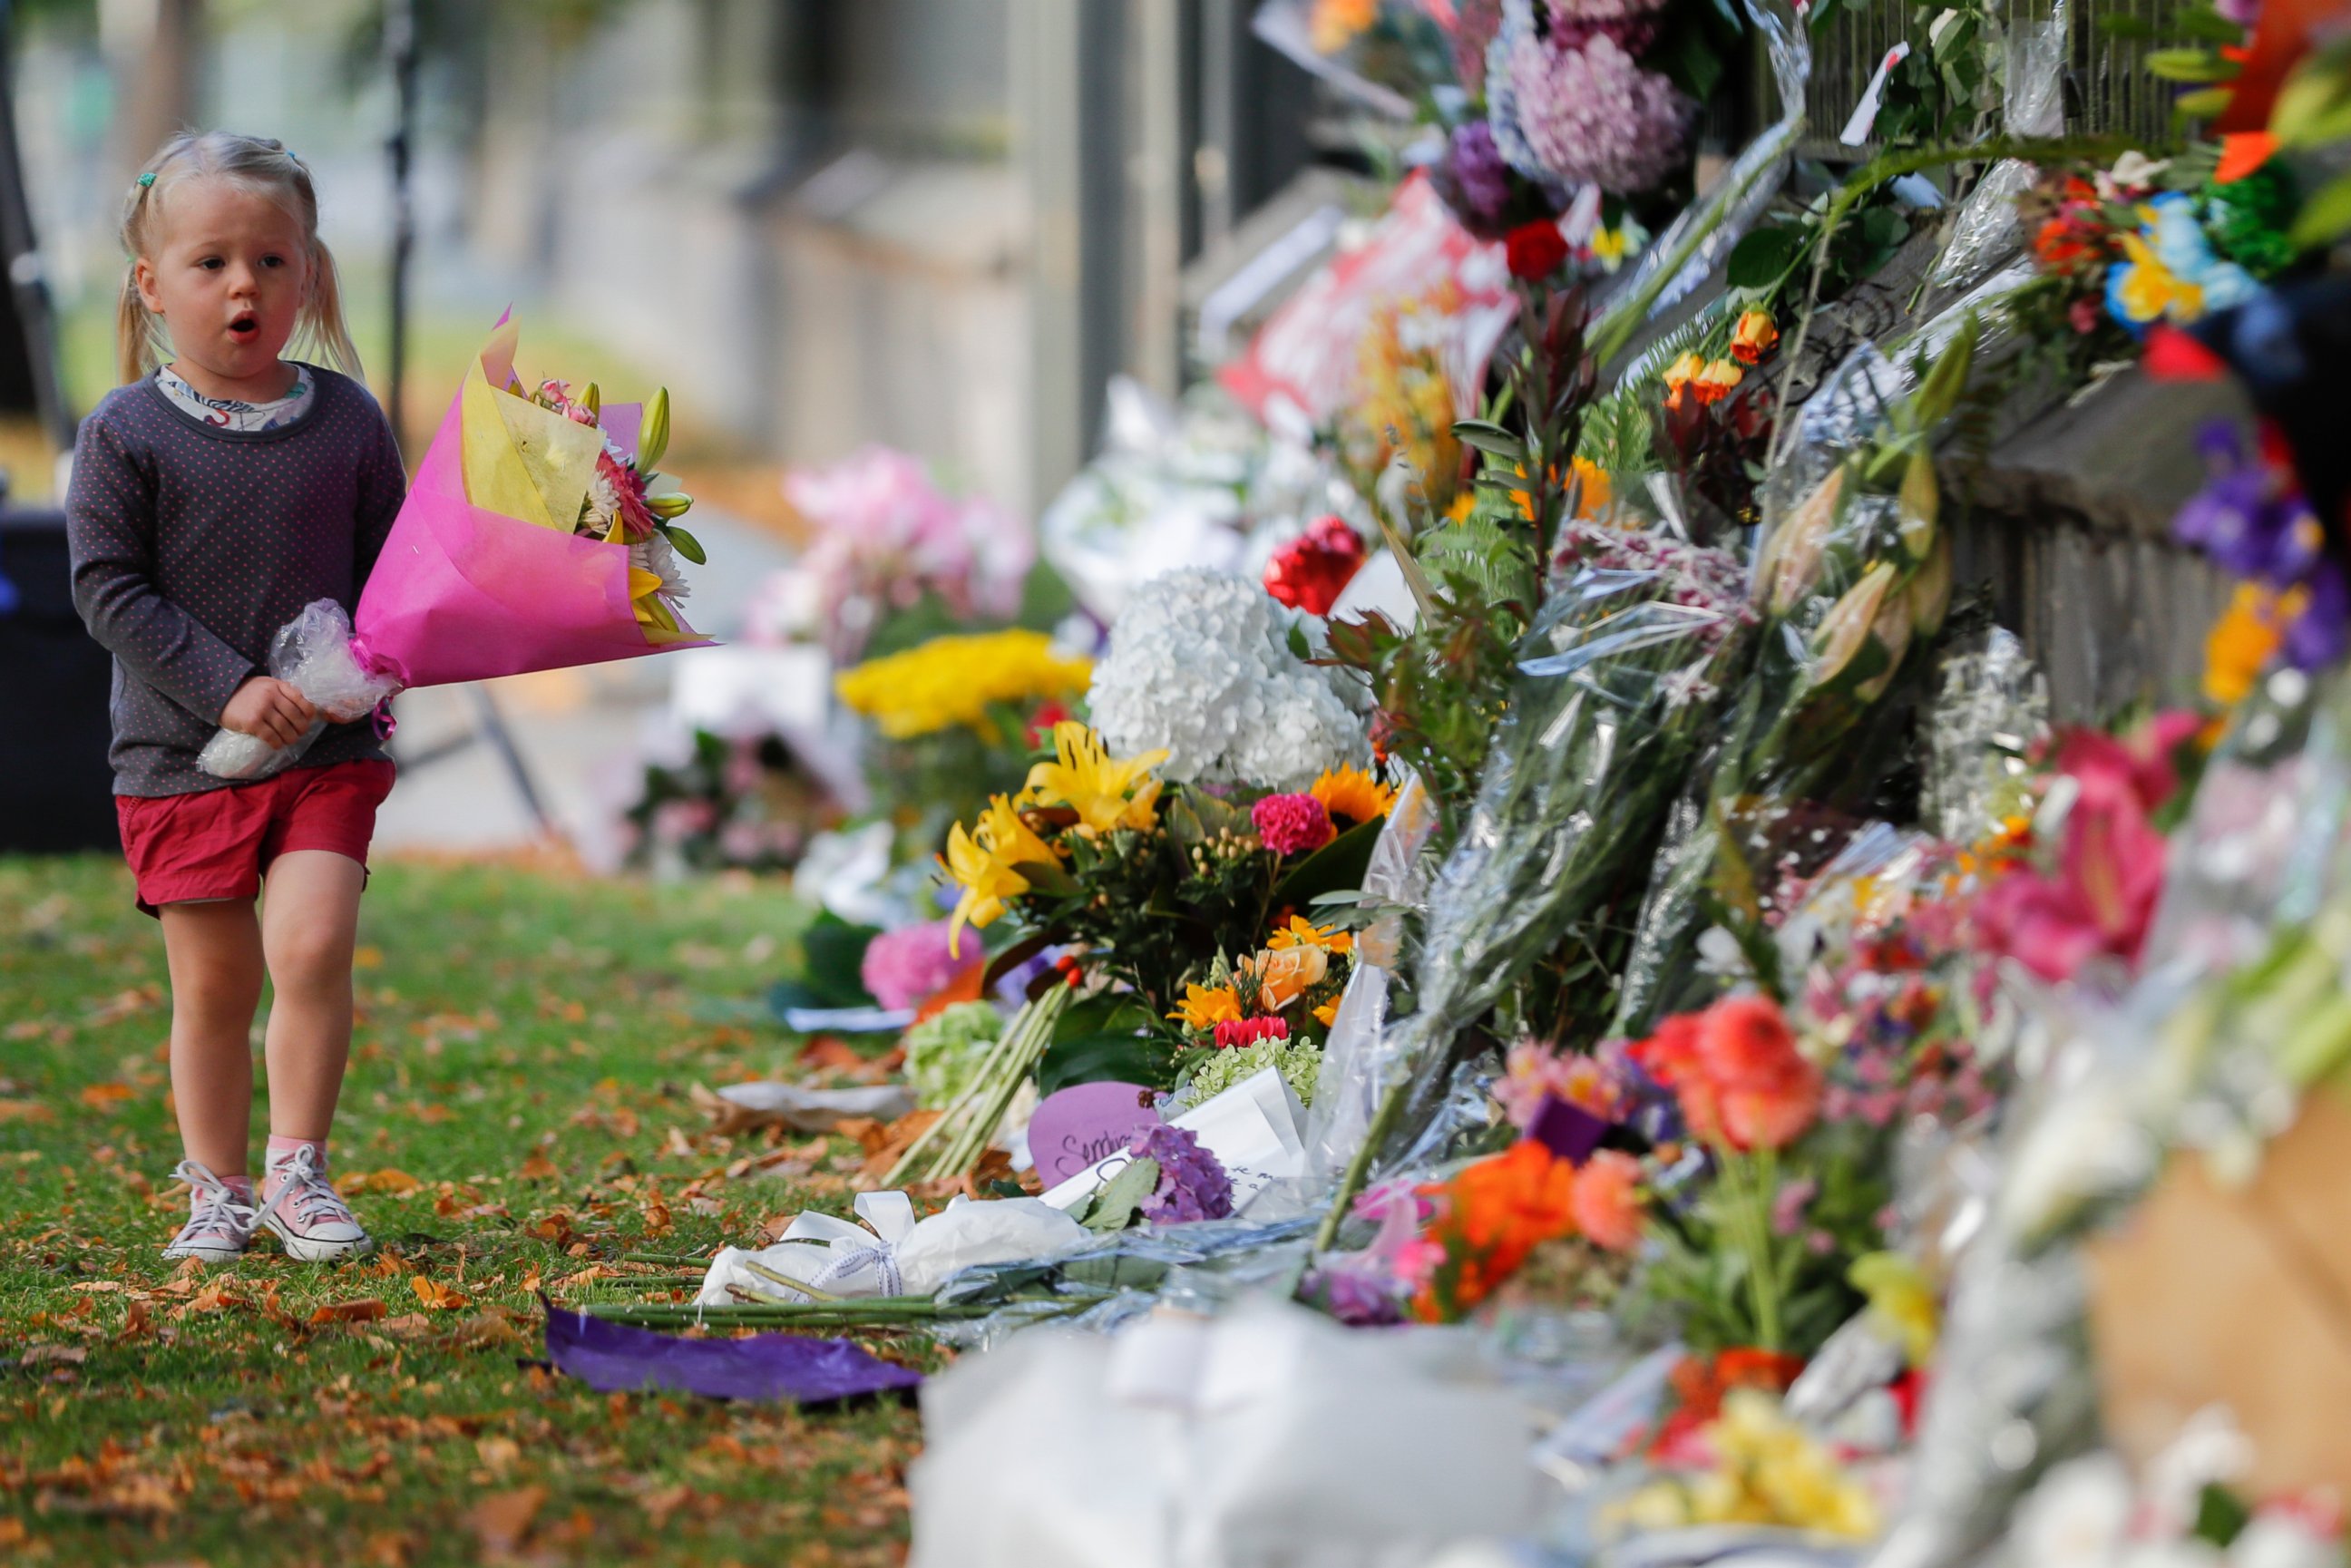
[1606,1200]
[1591,116]
[2110,866]
[1534,1071]
[1291,825]
[908,967]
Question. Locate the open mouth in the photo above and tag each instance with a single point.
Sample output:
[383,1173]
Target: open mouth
[244,328]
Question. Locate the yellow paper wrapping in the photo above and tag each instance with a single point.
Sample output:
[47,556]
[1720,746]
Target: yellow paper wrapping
[521,459]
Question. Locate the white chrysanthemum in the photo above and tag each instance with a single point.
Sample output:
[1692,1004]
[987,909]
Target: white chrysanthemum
[1198,663]
[603,503]
[655,555]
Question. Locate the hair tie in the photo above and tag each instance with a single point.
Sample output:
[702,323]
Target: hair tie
[147,179]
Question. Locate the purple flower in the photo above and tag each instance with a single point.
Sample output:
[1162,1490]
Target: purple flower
[1477,175]
[908,967]
[2242,518]
[1192,1181]
[1589,115]
[2316,638]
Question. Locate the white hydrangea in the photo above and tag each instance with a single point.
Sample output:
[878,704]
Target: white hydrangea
[1199,664]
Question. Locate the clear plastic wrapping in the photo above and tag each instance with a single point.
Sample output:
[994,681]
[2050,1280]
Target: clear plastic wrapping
[1991,709]
[313,651]
[1614,687]
[1986,231]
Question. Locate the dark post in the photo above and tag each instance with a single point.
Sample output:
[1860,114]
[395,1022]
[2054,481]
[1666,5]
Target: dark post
[29,288]
[399,48]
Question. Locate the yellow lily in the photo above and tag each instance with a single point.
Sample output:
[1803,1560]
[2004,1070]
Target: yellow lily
[985,881]
[1084,778]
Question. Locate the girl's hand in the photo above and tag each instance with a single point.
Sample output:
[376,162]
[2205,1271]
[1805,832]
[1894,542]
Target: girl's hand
[275,710]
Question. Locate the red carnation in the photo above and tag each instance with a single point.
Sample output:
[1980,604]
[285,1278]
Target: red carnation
[1535,250]
[1311,571]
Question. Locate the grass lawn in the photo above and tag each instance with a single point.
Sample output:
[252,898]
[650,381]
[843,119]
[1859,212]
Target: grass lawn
[517,1111]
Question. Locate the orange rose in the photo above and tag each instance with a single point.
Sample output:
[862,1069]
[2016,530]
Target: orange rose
[1287,974]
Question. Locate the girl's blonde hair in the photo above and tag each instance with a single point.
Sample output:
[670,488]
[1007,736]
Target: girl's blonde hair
[263,165]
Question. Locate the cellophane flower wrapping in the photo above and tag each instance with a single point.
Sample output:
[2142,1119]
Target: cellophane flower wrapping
[312,653]
[1606,715]
[1852,583]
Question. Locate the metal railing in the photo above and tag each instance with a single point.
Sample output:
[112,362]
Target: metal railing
[2108,87]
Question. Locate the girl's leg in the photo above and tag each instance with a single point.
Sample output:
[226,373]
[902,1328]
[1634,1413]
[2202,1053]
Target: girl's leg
[214,954]
[309,923]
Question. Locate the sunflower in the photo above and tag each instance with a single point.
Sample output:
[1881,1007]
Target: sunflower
[1348,791]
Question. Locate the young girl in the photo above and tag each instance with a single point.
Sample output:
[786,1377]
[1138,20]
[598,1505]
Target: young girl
[214,496]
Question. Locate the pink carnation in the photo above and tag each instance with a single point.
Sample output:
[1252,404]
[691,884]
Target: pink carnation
[1591,116]
[907,968]
[1290,825]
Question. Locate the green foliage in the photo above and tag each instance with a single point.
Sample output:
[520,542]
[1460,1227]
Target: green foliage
[827,975]
[943,1050]
[1113,1207]
[1104,1039]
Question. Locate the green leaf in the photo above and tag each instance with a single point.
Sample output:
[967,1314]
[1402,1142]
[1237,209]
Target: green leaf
[1300,648]
[1488,436]
[2202,105]
[1764,256]
[1336,865]
[2190,64]
[1110,1058]
[1048,877]
[1113,1207]
[686,544]
[1196,817]
[2326,217]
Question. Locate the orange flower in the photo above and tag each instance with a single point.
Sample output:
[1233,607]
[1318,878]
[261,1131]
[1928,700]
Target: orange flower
[1204,1008]
[1606,1200]
[1492,1215]
[2242,153]
[1737,1073]
[1286,974]
[1303,933]
[1708,380]
[1754,337]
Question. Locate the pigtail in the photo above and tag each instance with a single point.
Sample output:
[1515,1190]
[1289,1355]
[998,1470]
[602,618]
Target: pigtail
[134,334]
[321,320]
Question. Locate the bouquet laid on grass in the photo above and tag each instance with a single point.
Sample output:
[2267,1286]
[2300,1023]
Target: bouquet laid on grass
[1852,585]
[955,720]
[1158,882]
[534,538]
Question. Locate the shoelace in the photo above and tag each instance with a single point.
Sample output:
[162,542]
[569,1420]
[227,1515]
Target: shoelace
[214,1206]
[304,1193]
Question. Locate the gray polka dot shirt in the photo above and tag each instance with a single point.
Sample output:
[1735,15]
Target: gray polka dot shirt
[193,545]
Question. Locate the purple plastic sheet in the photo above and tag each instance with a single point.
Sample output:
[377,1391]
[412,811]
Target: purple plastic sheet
[614,1357]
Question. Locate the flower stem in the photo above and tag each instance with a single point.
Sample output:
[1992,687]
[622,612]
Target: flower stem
[1359,1169]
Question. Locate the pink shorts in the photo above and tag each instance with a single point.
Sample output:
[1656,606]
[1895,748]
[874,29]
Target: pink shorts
[216,844]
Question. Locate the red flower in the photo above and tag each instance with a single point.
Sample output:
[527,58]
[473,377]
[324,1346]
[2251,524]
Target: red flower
[1535,250]
[1232,1032]
[1041,723]
[1311,571]
[1737,1073]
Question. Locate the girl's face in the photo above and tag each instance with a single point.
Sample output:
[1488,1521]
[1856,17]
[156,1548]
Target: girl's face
[229,273]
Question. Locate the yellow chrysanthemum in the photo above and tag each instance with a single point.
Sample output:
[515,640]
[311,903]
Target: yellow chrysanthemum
[958,681]
[2242,642]
[1327,1014]
[1203,1008]
[1104,792]
[1899,1301]
[1348,791]
[1303,933]
[981,862]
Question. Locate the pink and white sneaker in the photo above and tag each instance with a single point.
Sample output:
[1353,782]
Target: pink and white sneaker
[221,1219]
[302,1207]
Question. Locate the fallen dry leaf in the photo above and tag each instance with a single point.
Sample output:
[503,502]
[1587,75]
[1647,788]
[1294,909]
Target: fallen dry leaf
[436,1297]
[388,1181]
[501,1520]
[366,1310]
[538,1167]
[53,1356]
[24,1111]
[99,1096]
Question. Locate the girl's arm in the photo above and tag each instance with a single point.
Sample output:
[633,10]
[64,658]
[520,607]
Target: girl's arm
[111,527]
